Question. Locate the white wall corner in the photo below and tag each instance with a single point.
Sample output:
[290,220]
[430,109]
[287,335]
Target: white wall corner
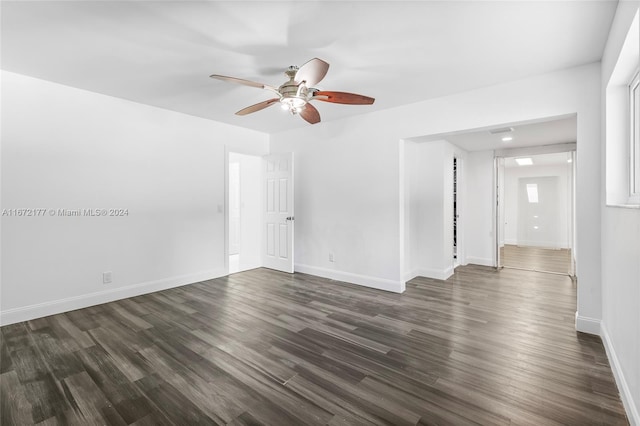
[587,325]
[447,273]
[436,274]
[348,277]
[411,275]
[623,388]
[479,261]
[27,313]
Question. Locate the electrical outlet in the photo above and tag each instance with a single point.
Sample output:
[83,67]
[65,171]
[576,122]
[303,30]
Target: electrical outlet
[331,258]
[107,277]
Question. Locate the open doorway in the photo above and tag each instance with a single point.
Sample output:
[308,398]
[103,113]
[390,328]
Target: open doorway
[474,233]
[244,212]
[535,212]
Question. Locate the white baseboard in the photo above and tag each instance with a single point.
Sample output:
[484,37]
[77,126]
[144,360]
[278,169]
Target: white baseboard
[436,274]
[479,261]
[587,325]
[448,272]
[248,266]
[39,310]
[623,388]
[348,277]
[411,275]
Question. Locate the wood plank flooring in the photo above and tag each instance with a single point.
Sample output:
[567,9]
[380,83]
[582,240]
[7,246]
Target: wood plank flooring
[536,258]
[267,348]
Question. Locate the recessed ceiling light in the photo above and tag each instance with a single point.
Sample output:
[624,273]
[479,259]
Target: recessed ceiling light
[524,161]
[507,139]
[569,160]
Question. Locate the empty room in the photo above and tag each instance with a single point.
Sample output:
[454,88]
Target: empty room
[320,212]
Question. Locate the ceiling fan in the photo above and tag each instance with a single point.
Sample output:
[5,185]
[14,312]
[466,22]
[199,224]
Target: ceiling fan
[295,94]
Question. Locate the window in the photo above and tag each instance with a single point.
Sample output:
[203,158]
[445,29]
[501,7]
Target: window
[634,148]
[622,124]
[532,192]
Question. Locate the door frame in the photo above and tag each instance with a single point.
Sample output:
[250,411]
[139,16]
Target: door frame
[225,208]
[531,151]
[230,208]
[498,208]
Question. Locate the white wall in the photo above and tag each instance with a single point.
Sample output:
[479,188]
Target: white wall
[428,209]
[411,208]
[561,239]
[348,174]
[347,200]
[479,223]
[250,254]
[620,327]
[72,149]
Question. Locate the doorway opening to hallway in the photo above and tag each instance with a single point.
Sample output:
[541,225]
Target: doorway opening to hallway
[536,211]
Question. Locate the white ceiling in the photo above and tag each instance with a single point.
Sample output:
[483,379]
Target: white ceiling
[161,53]
[557,159]
[551,132]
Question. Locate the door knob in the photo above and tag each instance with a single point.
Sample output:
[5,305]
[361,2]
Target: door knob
[290,218]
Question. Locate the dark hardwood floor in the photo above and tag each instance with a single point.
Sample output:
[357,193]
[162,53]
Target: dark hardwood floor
[263,347]
[536,258]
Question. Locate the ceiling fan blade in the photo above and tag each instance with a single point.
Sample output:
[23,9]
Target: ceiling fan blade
[310,114]
[312,72]
[342,98]
[241,81]
[257,107]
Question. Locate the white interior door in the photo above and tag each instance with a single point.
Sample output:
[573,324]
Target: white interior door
[278,217]
[539,212]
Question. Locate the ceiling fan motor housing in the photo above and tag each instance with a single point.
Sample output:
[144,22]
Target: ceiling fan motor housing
[293,95]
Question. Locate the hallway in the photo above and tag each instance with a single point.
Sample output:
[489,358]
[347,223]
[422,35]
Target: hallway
[536,259]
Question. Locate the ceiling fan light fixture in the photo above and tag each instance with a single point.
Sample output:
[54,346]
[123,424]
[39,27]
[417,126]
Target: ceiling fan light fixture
[293,104]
